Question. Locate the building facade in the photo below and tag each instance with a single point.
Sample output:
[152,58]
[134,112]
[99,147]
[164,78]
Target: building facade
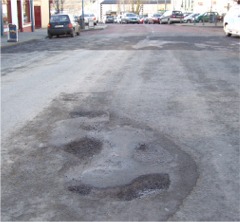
[25,14]
[18,12]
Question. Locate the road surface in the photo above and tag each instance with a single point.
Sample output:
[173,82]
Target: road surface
[134,122]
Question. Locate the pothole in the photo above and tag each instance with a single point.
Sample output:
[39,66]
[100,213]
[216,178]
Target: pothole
[80,189]
[137,188]
[85,147]
[142,147]
[142,184]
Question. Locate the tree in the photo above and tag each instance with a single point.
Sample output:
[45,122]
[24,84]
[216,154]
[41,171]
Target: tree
[138,7]
[59,3]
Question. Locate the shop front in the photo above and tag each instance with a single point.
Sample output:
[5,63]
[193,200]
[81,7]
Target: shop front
[19,13]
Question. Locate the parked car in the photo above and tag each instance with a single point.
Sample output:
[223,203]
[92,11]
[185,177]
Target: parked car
[142,18]
[171,17]
[185,14]
[62,24]
[231,21]
[89,16]
[108,19]
[190,18]
[208,17]
[155,18]
[130,18]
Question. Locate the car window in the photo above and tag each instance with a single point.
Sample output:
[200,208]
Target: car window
[177,13]
[60,18]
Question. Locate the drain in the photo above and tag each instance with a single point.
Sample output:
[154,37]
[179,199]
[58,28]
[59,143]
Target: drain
[84,148]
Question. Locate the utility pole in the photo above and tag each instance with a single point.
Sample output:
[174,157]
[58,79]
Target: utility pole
[2,28]
[83,22]
[32,15]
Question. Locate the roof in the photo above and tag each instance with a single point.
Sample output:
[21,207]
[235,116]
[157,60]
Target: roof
[135,1]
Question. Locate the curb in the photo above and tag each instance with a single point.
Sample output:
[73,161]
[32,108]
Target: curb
[201,25]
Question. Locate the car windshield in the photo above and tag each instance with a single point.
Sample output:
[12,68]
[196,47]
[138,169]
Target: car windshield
[177,13]
[131,15]
[59,18]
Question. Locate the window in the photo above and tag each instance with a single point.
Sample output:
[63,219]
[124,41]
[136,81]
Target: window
[26,11]
[6,12]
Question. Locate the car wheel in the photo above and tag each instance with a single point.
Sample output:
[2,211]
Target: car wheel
[73,33]
[226,31]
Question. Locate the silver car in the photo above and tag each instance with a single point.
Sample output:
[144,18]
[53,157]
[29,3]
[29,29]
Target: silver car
[171,17]
[130,18]
[89,16]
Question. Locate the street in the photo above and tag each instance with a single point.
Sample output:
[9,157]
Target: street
[133,122]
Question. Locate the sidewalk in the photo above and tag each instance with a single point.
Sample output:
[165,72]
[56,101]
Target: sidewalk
[37,34]
[204,25]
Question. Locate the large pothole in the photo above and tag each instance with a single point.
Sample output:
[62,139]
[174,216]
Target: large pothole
[84,148]
[137,188]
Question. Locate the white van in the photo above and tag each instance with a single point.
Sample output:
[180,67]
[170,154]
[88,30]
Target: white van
[231,21]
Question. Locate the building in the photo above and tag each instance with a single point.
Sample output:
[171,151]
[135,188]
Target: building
[201,6]
[42,13]
[25,14]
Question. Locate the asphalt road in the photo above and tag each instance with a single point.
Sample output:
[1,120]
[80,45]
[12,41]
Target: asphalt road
[134,122]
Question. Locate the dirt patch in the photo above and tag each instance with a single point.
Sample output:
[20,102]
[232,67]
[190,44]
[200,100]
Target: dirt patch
[84,148]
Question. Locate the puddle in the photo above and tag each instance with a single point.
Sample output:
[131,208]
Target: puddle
[84,148]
